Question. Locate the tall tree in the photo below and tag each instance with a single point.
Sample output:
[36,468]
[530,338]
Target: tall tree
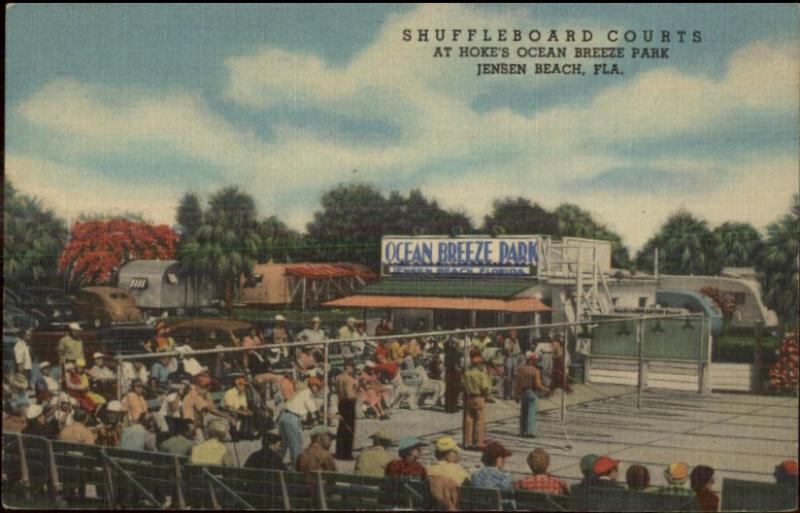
[685,245]
[573,221]
[779,265]
[190,214]
[737,245]
[226,246]
[520,216]
[354,217]
[33,238]
[278,242]
[98,249]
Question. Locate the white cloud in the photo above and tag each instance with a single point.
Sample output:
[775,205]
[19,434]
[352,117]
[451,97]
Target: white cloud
[472,157]
[71,191]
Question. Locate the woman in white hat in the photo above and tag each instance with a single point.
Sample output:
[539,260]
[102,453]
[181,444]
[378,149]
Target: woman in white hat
[37,423]
[46,386]
[19,391]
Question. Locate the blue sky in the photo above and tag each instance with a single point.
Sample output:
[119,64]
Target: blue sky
[125,107]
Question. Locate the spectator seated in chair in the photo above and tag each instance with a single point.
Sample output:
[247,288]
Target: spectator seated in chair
[637,477]
[541,481]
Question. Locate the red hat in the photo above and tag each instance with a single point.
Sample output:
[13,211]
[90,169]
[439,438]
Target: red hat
[314,381]
[603,465]
[790,467]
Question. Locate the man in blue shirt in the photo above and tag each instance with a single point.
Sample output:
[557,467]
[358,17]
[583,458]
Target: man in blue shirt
[139,436]
[160,371]
[491,475]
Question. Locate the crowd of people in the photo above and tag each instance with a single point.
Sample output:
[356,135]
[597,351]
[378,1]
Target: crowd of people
[181,406]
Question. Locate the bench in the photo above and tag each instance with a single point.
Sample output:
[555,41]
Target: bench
[605,499]
[536,501]
[739,495]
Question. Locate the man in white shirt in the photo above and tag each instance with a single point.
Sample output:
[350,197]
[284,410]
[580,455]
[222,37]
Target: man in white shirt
[314,334]
[99,371]
[428,385]
[22,355]
[303,402]
[131,371]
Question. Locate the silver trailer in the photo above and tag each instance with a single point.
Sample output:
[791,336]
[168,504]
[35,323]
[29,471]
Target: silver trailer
[161,285]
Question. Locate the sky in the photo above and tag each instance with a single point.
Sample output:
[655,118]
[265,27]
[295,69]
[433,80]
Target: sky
[124,108]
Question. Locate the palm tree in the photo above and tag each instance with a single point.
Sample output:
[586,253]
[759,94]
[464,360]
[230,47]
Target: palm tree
[573,221]
[685,246]
[33,239]
[738,244]
[779,265]
[226,246]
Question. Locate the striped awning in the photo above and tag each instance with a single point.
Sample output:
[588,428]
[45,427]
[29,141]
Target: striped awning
[138,283]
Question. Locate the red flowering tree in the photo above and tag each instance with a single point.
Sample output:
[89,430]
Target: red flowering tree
[783,373]
[725,301]
[97,249]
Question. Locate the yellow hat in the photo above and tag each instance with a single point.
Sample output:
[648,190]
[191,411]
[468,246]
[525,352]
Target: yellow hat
[446,443]
[677,472]
[80,362]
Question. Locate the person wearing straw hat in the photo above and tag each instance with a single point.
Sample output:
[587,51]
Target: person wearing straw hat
[213,451]
[99,371]
[317,456]
[447,465]
[46,386]
[314,333]
[280,335]
[70,346]
[109,433]
[37,423]
[676,474]
[408,464]
[373,460]
[19,391]
[349,329]
[477,387]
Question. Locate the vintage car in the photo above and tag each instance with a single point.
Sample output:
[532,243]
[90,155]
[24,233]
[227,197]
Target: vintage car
[104,306]
[48,306]
[208,333]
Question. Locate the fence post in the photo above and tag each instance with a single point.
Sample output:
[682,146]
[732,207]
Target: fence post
[23,463]
[642,365]
[179,497]
[704,380]
[111,500]
[212,493]
[287,504]
[55,484]
[757,358]
[565,377]
[323,503]
[326,391]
